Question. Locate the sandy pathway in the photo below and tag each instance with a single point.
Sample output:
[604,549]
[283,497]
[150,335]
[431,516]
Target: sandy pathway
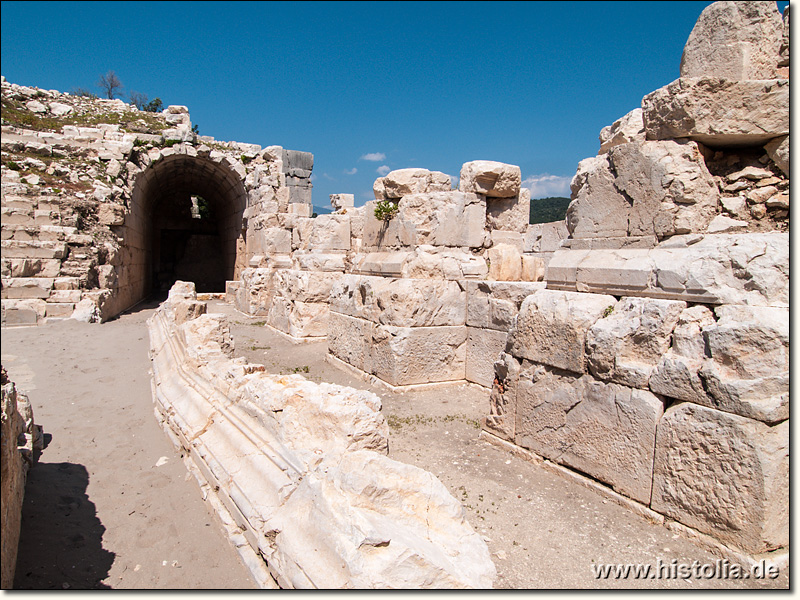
[110,503]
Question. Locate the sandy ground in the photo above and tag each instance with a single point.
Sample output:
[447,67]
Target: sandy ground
[110,504]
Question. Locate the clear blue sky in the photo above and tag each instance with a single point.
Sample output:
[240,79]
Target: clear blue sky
[371,85]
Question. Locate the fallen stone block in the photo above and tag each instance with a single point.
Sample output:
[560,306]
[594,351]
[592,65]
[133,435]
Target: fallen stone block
[603,429]
[724,475]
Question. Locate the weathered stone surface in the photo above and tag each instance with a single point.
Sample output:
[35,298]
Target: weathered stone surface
[300,466]
[598,209]
[86,311]
[505,263]
[551,327]
[443,218]
[605,430]
[484,347]
[778,151]
[490,178]
[624,130]
[342,201]
[324,233]
[400,302]
[509,214]
[625,345]
[717,269]
[501,419]
[736,41]
[718,112]
[677,374]
[412,355]
[669,186]
[748,373]
[724,475]
[545,237]
[494,304]
[403,182]
[16,460]
[350,340]
[386,234]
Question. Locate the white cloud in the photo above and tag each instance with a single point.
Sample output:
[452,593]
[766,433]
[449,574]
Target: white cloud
[374,156]
[352,171]
[544,186]
[454,181]
[328,177]
[383,170]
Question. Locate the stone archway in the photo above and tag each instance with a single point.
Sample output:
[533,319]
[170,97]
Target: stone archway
[186,222]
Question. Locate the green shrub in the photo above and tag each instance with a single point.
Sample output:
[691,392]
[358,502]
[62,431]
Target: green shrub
[385,210]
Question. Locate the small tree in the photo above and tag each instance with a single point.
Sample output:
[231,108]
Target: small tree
[138,100]
[155,105]
[110,84]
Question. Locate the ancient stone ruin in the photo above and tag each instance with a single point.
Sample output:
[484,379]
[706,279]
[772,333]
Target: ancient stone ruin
[642,343]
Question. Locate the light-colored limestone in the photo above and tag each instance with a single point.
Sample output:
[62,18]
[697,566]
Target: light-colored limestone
[603,429]
[735,41]
[509,214]
[625,345]
[624,130]
[451,218]
[551,327]
[724,475]
[598,209]
[484,346]
[718,112]
[403,182]
[778,151]
[490,178]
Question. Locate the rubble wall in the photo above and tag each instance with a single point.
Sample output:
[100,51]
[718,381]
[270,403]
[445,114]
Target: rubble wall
[302,468]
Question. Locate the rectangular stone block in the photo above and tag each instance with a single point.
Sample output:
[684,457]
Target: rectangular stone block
[489,302]
[724,475]
[551,327]
[22,288]
[325,262]
[452,219]
[413,355]
[59,310]
[605,430]
[484,347]
[33,249]
[349,340]
[509,214]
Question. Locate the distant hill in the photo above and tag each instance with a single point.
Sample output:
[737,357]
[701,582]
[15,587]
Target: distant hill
[547,210]
[322,210]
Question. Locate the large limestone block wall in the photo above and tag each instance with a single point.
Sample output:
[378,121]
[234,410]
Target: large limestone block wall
[20,437]
[656,359]
[301,468]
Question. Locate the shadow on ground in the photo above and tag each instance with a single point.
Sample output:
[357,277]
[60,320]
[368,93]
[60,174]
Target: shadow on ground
[61,541]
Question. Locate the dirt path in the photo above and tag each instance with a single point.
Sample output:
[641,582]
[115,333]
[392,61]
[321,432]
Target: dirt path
[99,512]
[110,502]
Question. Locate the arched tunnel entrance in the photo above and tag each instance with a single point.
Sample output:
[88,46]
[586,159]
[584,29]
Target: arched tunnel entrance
[187,225]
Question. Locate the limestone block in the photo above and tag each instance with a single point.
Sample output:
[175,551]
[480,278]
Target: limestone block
[342,201]
[545,237]
[510,214]
[403,182]
[30,267]
[377,512]
[501,419]
[308,319]
[778,151]
[443,218]
[59,310]
[389,264]
[324,262]
[534,268]
[400,302]
[490,178]
[734,40]
[603,429]
[269,241]
[724,475]
[748,373]
[551,327]
[111,214]
[20,288]
[64,296]
[33,249]
[484,347]
[350,339]
[513,238]
[505,263]
[677,374]
[625,345]
[378,189]
[23,312]
[86,311]
[718,112]
[669,185]
[716,269]
[488,302]
[597,209]
[624,130]
[412,355]
[385,234]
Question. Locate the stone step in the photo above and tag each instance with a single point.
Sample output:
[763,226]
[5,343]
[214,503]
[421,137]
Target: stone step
[33,249]
[23,288]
